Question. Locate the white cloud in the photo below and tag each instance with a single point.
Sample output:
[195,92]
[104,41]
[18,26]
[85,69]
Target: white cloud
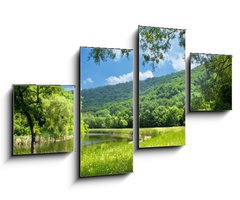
[118,54]
[145,75]
[178,62]
[194,64]
[88,80]
[113,80]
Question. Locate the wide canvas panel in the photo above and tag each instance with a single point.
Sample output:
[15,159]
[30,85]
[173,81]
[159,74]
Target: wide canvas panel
[43,119]
[210,82]
[106,84]
[161,87]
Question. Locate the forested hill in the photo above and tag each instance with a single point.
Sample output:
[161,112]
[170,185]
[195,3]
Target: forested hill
[150,84]
[197,72]
[162,101]
[97,98]
[160,97]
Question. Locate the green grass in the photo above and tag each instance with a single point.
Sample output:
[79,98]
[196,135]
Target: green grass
[162,137]
[106,159]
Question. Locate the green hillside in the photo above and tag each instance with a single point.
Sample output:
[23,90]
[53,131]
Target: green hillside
[196,99]
[102,97]
[162,103]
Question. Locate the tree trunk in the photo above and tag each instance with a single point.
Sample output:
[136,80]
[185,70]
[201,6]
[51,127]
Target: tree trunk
[32,129]
[33,140]
[29,118]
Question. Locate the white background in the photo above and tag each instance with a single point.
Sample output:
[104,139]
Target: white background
[39,43]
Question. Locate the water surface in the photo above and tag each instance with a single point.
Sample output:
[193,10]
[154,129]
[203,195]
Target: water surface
[46,147]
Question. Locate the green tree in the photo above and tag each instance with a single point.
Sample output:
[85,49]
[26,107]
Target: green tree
[123,123]
[30,103]
[103,54]
[211,83]
[83,126]
[59,124]
[154,42]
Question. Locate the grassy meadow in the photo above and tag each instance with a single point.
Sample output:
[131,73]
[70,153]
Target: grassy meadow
[106,159]
[162,137]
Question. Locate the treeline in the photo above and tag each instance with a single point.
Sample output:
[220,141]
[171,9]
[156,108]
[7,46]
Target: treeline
[107,107]
[162,101]
[112,115]
[43,111]
[211,84]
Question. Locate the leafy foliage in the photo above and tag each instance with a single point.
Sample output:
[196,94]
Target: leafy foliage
[211,83]
[42,111]
[103,54]
[155,42]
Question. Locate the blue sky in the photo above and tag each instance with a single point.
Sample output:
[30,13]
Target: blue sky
[120,70]
[173,61]
[68,87]
[110,72]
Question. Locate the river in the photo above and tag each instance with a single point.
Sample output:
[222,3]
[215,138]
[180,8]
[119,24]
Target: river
[94,138]
[46,147]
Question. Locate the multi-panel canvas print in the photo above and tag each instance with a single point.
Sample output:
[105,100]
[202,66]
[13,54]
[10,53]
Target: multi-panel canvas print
[211,82]
[106,109]
[161,87]
[43,119]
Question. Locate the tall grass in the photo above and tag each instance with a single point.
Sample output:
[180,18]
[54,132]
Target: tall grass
[106,159]
[162,137]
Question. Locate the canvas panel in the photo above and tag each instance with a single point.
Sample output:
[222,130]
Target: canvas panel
[210,82]
[106,111]
[43,119]
[161,87]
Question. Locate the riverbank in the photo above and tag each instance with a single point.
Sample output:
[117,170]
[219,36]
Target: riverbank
[22,145]
[26,140]
[112,130]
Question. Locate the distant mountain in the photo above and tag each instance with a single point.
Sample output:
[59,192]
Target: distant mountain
[97,98]
[150,84]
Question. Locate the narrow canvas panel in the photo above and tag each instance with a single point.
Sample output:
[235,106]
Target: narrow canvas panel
[210,82]
[43,119]
[106,84]
[161,87]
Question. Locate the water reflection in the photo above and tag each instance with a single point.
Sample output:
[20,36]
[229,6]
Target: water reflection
[94,138]
[46,147]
